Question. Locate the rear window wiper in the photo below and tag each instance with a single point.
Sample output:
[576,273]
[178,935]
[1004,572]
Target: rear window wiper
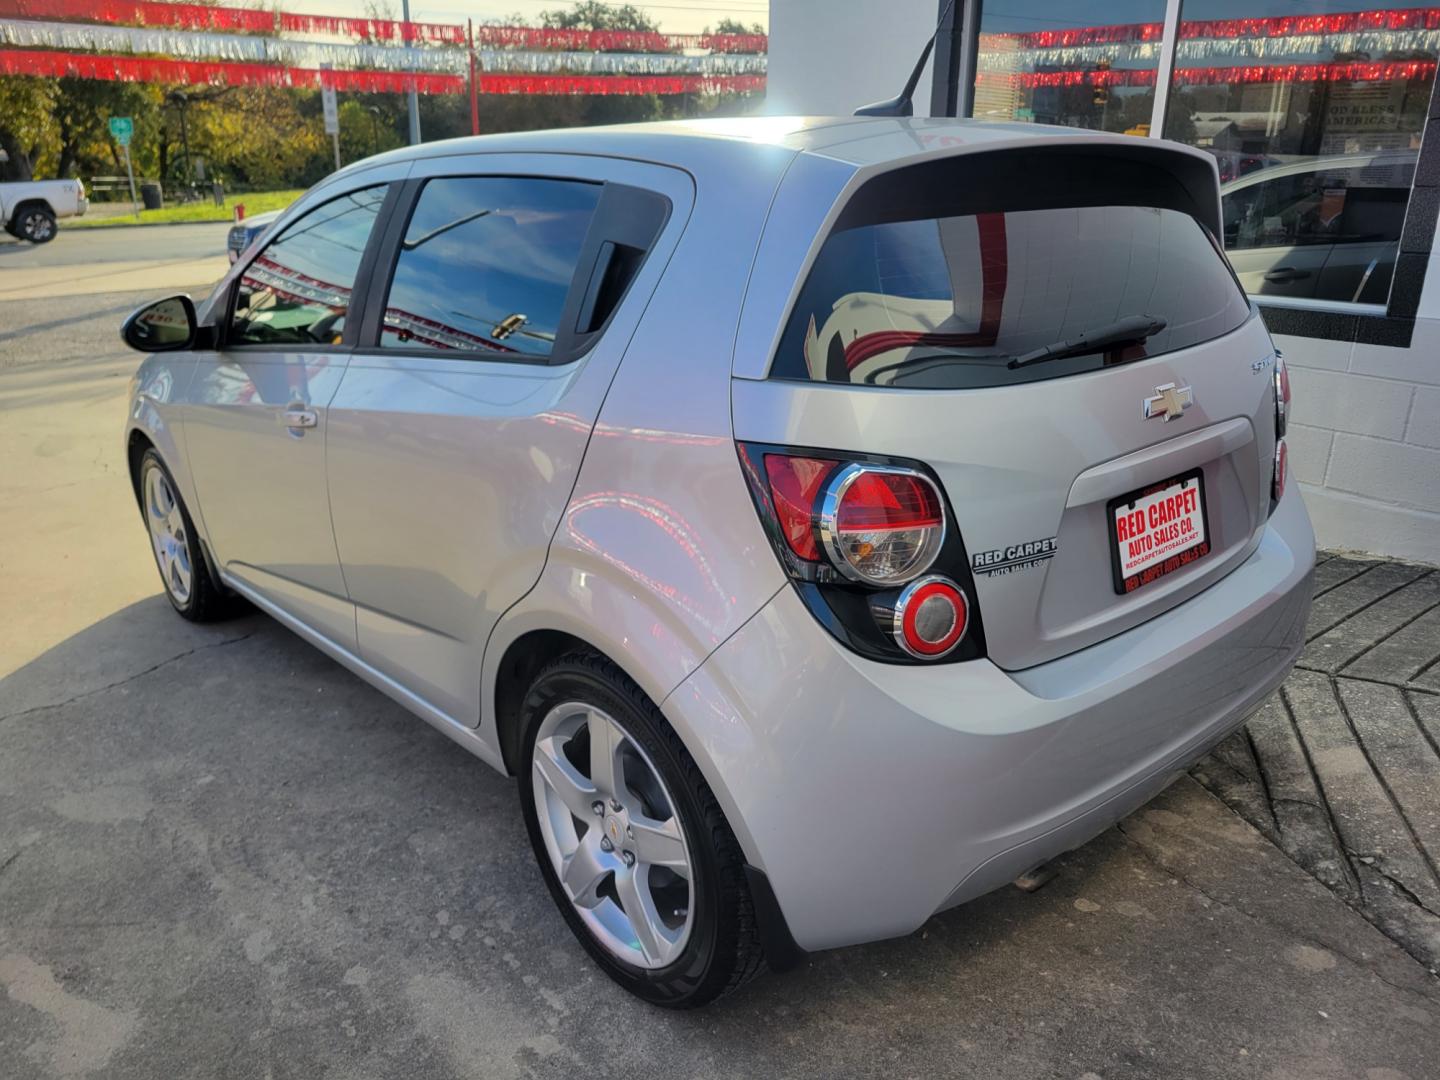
[1131,330]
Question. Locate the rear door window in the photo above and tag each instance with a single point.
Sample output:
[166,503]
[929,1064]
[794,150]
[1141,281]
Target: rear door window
[971,300]
[486,266]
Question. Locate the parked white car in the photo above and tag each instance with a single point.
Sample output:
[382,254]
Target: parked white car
[29,210]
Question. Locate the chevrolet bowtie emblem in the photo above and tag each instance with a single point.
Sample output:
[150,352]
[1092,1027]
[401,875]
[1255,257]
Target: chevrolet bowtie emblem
[1170,402]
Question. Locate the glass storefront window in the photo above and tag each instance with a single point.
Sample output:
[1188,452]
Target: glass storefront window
[1083,63]
[1314,112]
[1313,109]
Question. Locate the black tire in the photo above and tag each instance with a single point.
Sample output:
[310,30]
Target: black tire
[36,224]
[723,951]
[208,600]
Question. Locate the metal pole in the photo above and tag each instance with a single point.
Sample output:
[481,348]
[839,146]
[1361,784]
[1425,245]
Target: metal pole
[474,89]
[185,141]
[130,172]
[969,18]
[1165,70]
[944,73]
[414,97]
[336,136]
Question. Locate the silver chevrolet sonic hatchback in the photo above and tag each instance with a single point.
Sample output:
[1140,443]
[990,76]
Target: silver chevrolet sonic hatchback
[827,521]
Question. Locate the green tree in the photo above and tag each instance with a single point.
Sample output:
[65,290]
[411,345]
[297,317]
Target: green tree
[26,125]
[367,126]
[596,15]
[82,112]
[735,26]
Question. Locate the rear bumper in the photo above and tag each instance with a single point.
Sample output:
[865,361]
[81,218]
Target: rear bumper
[874,795]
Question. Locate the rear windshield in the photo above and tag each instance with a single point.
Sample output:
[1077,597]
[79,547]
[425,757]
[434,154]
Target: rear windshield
[991,299]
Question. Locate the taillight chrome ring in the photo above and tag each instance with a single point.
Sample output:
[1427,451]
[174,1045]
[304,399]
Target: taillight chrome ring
[918,592]
[829,532]
[1282,396]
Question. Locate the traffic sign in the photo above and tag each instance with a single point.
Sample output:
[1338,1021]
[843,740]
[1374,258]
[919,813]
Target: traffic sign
[332,115]
[121,128]
[327,104]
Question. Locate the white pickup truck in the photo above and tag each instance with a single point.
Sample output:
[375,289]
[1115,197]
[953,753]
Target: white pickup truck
[29,209]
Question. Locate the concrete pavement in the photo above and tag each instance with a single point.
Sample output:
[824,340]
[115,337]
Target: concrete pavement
[222,855]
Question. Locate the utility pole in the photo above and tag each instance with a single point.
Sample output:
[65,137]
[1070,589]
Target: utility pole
[414,97]
[474,87]
[332,112]
[182,102]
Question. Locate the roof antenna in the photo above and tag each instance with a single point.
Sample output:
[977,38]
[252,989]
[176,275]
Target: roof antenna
[902,105]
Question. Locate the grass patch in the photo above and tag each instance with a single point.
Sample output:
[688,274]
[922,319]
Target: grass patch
[256,202]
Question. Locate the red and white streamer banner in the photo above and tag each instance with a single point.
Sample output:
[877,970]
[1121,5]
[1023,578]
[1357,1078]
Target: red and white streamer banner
[54,64]
[1205,76]
[1000,54]
[253,48]
[1341,22]
[527,37]
[150,13]
[620,84]
[204,17]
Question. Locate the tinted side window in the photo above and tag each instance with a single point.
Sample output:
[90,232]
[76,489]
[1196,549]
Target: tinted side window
[486,265]
[297,291]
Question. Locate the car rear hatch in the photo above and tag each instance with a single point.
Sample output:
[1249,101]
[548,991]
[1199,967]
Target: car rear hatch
[1093,490]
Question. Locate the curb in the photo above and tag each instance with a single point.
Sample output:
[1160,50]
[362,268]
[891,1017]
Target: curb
[145,225]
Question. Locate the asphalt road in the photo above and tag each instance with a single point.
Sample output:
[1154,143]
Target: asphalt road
[81,262]
[223,856]
[85,247]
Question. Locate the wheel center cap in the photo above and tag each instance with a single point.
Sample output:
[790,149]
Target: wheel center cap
[614,829]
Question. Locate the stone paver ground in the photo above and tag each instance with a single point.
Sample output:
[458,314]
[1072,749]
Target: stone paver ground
[1342,767]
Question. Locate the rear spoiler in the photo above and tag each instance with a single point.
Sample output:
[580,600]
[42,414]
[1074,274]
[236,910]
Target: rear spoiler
[1042,175]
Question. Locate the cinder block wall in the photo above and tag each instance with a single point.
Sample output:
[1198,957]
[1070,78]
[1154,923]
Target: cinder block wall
[1365,441]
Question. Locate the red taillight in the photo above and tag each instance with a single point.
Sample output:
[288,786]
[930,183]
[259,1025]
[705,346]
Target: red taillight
[880,524]
[1282,421]
[795,484]
[877,502]
[1282,396]
[1282,456]
[931,617]
[868,544]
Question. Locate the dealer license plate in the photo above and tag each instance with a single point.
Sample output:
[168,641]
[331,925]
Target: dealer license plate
[1157,530]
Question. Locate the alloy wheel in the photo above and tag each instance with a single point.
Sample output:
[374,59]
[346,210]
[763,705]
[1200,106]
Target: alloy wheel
[168,536]
[613,835]
[39,227]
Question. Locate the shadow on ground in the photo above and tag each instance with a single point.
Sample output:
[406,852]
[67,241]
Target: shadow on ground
[222,855]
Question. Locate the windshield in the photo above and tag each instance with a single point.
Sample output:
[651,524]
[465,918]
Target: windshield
[949,302]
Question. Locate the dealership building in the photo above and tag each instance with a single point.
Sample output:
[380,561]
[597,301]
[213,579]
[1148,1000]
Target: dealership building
[1325,130]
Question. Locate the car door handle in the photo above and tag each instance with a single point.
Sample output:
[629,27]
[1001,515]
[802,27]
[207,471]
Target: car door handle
[301,418]
[1286,273]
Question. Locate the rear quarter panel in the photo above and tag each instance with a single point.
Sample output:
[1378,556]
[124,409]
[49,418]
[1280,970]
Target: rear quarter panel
[659,556]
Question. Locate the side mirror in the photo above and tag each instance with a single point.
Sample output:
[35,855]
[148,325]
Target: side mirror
[164,326]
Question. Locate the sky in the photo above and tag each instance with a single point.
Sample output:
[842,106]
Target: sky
[675,16]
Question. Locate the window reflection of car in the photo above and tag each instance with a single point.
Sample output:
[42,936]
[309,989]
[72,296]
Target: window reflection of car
[1321,228]
[245,231]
